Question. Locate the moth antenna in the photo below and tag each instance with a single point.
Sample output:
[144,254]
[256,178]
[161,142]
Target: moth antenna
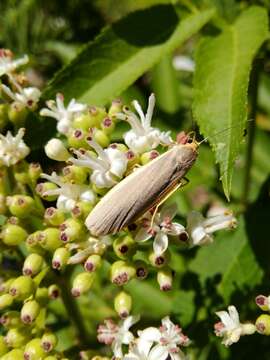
[222,131]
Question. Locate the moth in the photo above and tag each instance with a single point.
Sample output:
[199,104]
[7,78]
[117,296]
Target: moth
[143,189]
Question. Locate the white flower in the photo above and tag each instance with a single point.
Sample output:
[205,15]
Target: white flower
[144,350]
[7,64]
[26,97]
[108,168]
[162,227]
[169,337]
[68,194]
[56,150]
[63,115]
[117,335]
[184,63]
[200,229]
[12,148]
[230,327]
[142,137]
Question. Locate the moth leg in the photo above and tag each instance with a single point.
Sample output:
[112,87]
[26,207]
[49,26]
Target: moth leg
[181,183]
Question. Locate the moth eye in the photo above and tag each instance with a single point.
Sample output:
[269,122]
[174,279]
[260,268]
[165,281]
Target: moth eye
[190,141]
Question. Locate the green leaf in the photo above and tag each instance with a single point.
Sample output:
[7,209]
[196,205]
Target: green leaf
[223,64]
[123,52]
[184,306]
[232,257]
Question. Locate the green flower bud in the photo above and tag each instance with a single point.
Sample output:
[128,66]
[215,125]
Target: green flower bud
[158,260]
[10,319]
[85,121]
[33,350]
[82,283]
[32,264]
[32,243]
[98,190]
[115,107]
[20,205]
[34,171]
[41,188]
[48,341]
[141,269]
[107,125]
[30,311]
[17,114]
[121,147]
[60,258]
[42,296]
[77,139]
[22,287]
[13,235]
[121,272]
[5,286]
[123,304]
[97,114]
[75,174]
[5,301]
[15,354]
[54,216]
[52,357]
[71,230]
[21,173]
[49,239]
[101,138]
[82,210]
[93,263]
[3,207]
[17,337]
[53,291]
[124,247]
[3,346]
[148,156]
[165,279]
[3,115]
[263,324]
[56,150]
[133,159]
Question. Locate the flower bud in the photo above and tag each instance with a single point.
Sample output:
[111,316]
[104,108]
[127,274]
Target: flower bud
[3,115]
[121,272]
[30,311]
[48,341]
[13,354]
[17,337]
[77,139]
[34,171]
[85,122]
[97,114]
[119,146]
[41,189]
[82,283]
[20,205]
[60,258]
[32,264]
[10,319]
[263,302]
[13,235]
[22,287]
[3,346]
[115,107]
[148,156]
[3,207]
[124,247]
[54,216]
[5,301]
[52,357]
[107,125]
[42,296]
[123,304]
[21,173]
[71,230]
[33,350]
[82,210]
[101,138]
[263,324]
[75,174]
[53,291]
[98,190]
[55,150]
[158,260]
[92,263]
[32,243]
[49,239]
[17,114]
[141,269]
[132,158]
[165,279]
[5,286]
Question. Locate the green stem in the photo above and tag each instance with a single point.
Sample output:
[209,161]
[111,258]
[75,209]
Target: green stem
[251,129]
[63,281]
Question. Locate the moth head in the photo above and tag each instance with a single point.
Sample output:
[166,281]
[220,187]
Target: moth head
[188,140]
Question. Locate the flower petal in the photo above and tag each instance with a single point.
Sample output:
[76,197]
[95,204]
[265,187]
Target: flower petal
[160,244]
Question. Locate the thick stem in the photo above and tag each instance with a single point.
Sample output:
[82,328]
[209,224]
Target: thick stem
[251,129]
[63,281]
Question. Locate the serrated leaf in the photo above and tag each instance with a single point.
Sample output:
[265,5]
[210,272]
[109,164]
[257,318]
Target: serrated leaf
[123,52]
[223,65]
[232,257]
